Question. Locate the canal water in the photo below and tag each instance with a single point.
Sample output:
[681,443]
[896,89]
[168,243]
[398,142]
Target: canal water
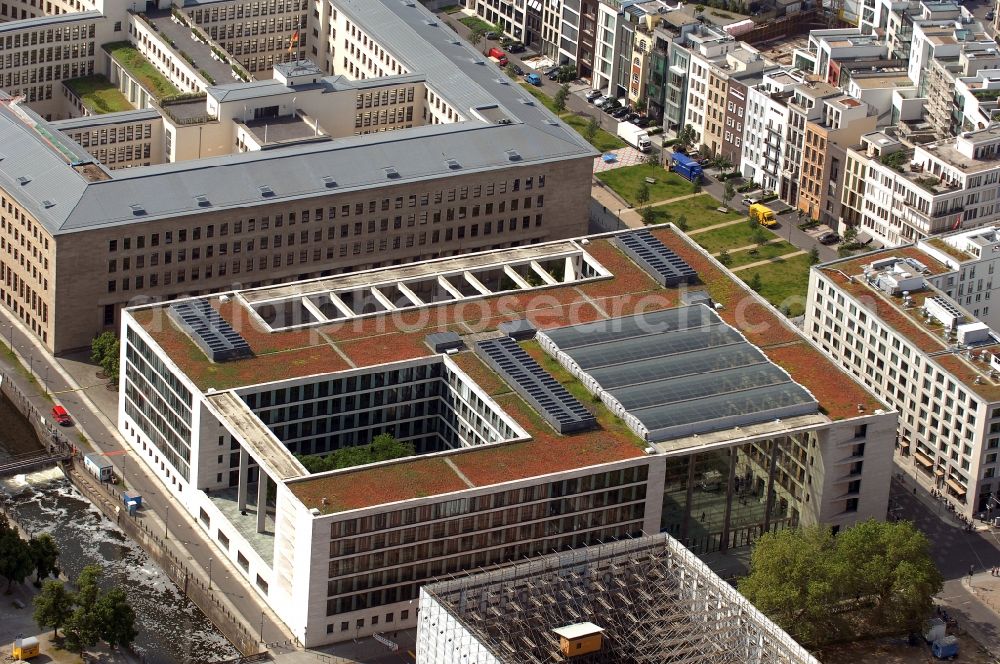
[171,628]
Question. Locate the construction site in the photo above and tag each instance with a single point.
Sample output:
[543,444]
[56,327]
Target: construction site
[641,600]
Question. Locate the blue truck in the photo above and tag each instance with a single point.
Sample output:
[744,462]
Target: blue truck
[686,167]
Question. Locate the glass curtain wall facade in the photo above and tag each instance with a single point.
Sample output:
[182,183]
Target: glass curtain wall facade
[426,404]
[158,403]
[726,498]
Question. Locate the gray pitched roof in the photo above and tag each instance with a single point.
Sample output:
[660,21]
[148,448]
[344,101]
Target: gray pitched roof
[453,68]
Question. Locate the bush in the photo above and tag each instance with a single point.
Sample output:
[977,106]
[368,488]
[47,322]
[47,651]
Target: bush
[383,448]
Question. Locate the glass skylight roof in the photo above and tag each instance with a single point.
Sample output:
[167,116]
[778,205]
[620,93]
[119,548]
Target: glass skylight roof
[678,372]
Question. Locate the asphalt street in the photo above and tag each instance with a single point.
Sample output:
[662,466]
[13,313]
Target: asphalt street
[954,551]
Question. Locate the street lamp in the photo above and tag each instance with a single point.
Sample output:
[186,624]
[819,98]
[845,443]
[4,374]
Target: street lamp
[262,625]
[166,524]
[46,383]
[209,573]
[31,365]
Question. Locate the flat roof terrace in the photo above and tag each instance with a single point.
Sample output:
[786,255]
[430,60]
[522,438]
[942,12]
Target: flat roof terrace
[379,338]
[972,370]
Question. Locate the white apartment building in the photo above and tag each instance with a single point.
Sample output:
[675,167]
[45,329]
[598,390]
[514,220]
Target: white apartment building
[617,24]
[534,22]
[974,257]
[715,56]
[942,39]
[766,125]
[881,317]
[900,194]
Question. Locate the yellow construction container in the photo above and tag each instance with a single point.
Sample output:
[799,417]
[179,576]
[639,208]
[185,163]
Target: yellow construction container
[25,648]
[580,639]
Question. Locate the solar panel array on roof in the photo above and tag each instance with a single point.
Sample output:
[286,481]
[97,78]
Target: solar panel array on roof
[210,331]
[678,372]
[559,408]
[666,267]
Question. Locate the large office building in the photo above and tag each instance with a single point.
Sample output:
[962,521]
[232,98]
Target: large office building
[555,395]
[902,321]
[641,600]
[407,145]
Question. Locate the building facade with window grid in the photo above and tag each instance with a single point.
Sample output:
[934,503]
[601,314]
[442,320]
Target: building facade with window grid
[342,554]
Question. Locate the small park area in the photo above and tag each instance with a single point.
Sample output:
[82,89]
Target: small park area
[699,211]
[784,282]
[627,181]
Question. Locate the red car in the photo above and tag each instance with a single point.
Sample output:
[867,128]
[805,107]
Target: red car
[61,416]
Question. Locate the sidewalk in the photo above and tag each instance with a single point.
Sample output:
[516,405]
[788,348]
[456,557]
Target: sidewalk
[909,476]
[767,261]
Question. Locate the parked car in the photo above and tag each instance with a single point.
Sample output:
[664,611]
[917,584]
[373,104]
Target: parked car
[593,95]
[750,200]
[533,79]
[601,101]
[632,117]
[498,55]
[642,121]
[492,35]
[516,47]
[990,15]
[517,70]
[829,238]
[60,415]
[619,113]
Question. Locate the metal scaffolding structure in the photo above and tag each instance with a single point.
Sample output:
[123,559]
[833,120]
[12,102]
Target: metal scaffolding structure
[657,602]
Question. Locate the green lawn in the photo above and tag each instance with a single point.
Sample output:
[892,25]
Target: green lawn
[99,94]
[141,69]
[768,251]
[698,211]
[603,141]
[728,237]
[545,100]
[627,180]
[475,23]
[450,9]
[783,282]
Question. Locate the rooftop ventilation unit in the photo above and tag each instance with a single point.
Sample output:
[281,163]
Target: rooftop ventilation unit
[442,342]
[535,385]
[666,267]
[329,182]
[513,155]
[48,204]
[203,201]
[210,331]
[23,180]
[431,22]
[453,164]
[265,191]
[391,172]
[137,209]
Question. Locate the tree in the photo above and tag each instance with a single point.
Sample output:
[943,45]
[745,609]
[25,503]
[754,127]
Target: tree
[755,282]
[686,137]
[820,588]
[83,626]
[813,256]
[696,187]
[725,258]
[116,618]
[559,101]
[566,74]
[382,448]
[850,236]
[759,236]
[728,192]
[682,223]
[648,215]
[15,557]
[511,70]
[476,37]
[642,194]
[53,605]
[45,555]
[723,164]
[104,351]
[891,566]
[590,131]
